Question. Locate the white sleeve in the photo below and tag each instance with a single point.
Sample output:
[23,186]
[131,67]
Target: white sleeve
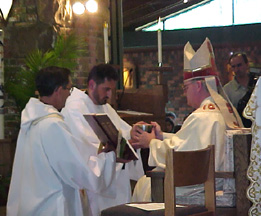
[199,131]
[59,145]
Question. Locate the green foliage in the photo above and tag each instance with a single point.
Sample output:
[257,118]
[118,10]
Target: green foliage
[64,54]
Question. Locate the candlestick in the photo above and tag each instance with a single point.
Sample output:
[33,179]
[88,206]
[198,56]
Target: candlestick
[106,42]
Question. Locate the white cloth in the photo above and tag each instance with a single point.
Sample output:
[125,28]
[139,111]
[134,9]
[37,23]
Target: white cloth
[252,111]
[234,91]
[48,170]
[205,126]
[78,104]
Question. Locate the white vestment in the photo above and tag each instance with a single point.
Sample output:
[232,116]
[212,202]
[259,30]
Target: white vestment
[253,112]
[48,170]
[80,103]
[205,126]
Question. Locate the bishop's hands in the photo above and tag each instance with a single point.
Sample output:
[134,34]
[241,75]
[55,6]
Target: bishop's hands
[158,131]
[142,138]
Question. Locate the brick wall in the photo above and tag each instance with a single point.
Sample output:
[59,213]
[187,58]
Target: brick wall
[23,33]
[32,25]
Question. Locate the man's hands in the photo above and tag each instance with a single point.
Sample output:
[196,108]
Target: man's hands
[158,131]
[141,139]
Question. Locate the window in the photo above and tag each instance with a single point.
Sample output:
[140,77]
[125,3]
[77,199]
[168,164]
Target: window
[213,13]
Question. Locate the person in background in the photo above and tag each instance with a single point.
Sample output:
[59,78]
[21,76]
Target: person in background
[205,126]
[237,87]
[171,115]
[48,170]
[170,125]
[101,82]
[241,86]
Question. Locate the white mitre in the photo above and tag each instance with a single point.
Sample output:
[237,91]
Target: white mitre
[201,65]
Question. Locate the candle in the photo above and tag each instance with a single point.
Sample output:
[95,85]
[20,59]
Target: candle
[159,45]
[106,42]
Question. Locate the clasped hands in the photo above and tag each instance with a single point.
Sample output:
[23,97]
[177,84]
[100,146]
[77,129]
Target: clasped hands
[141,138]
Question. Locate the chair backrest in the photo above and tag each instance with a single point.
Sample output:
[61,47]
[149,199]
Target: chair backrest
[185,168]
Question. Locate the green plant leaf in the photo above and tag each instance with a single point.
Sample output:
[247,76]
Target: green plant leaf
[65,52]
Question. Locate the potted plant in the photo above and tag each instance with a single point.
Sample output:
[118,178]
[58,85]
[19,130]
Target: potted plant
[21,86]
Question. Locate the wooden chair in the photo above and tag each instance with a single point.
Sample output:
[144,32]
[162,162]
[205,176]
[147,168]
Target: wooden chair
[182,169]
[241,152]
[190,168]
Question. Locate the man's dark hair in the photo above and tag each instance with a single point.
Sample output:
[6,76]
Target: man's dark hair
[50,78]
[244,56]
[101,72]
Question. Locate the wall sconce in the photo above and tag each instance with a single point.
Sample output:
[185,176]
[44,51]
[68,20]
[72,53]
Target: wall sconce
[5,6]
[90,5]
[128,77]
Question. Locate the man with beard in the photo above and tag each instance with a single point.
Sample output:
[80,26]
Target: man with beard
[101,81]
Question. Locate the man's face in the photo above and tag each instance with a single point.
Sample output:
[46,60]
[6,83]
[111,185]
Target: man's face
[239,67]
[102,92]
[64,94]
[191,93]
